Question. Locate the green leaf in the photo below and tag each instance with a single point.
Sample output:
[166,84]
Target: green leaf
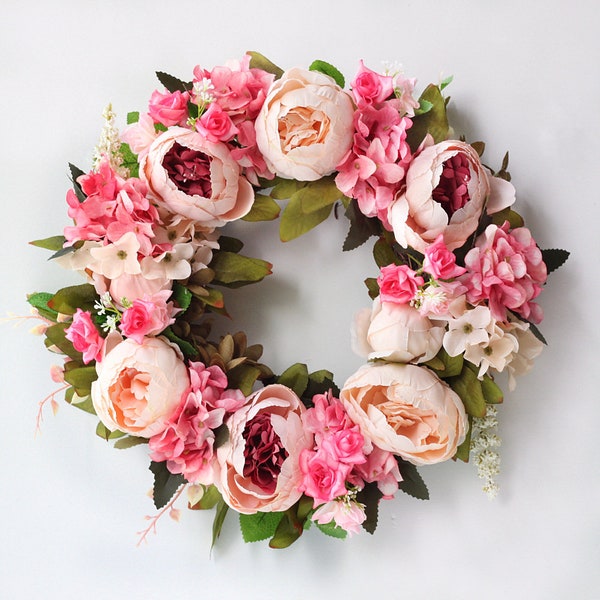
[54,243]
[373,287]
[434,121]
[295,222]
[295,378]
[412,483]
[468,387]
[320,382]
[507,214]
[69,299]
[285,188]
[130,160]
[106,434]
[173,84]
[129,442]
[55,336]
[81,378]
[234,270]
[445,365]
[317,195]
[538,334]
[165,483]
[258,61]
[464,450]
[446,82]
[324,67]
[384,254]
[332,530]
[189,351]
[82,403]
[209,499]
[554,258]
[39,301]
[75,173]
[479,147]
[288,530]
[491,390]
[259,526]
[424,107]
[370,496]
[133,117]
[243,377]
[264,208]
[220,515]
[230,244]
[182,296]
[361,227]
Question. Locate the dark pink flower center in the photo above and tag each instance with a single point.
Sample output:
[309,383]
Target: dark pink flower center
[189,170]
[264,453]
[452,191]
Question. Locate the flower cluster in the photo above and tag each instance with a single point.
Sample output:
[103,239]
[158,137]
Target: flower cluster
[453,302]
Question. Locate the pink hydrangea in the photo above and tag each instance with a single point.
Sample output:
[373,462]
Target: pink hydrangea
[85,337]
[398,283]
[506,269]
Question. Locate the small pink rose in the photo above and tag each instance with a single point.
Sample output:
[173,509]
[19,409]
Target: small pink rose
[440,262]
[324,476]
[215,124]
[370,88]
[147,317]
[169,108]
[398,283]
[85,336]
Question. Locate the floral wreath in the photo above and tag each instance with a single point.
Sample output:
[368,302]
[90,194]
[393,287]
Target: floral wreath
[453,301]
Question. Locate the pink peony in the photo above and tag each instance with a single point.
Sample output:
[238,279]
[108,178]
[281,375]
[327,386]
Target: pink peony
[258,466]
[506,269]
[398,284]
[169,108]
[85,337]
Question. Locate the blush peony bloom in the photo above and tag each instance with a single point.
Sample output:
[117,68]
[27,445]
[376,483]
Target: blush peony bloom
[396,333]
[258,466]
[304,128]
[85,337]
[506,269]
[192,177]
[139,386]
[406,410]
[446,191]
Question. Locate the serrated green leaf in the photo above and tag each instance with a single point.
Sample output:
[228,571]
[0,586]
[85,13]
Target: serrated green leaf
[295,378]
[165,483]
[39,301]
[264,208]
[468,387]
[234,270]
[53,243]
[259,526]
[446,82]
[327,69]
[130,160]
[491,390]
[332,530]
[173,84]
[479,147]
[554,258]
[424,107]
[75,173]
[361,227]
[288,530]
[258,61]
[133,117]
[320,382]
[412,483]
[220,515]
[295,222]
[80,377]
[129,442]
[319,194]
[55,336]
[434,121]
[514,218]
[370,496]
[464,450]
[67,300]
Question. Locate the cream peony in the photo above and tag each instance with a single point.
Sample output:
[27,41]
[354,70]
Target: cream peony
[406,410]
[396,333]
[195,178]
[258,467]
[139,386]
[446,191]
[305,126]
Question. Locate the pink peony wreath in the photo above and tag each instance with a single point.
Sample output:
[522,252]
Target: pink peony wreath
[454,296]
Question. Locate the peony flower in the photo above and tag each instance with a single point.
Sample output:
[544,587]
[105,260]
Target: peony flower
[139,386]
[304,128]
[406,410]
[396,333]
[195,178]
[85,337]
[258,466]
[446,191]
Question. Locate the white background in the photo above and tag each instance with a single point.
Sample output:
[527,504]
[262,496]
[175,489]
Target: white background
[526,80]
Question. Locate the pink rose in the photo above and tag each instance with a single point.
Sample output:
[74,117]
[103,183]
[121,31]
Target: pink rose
[169,108]
[304,128]
[139,386]
[398,284]
[370,88]
[324,477]
[381,466]
[440,262]
[446,191]
[396,333]
[506,268]
[192,177]
[258,466]
[215,124]
[147,317]
[406,410]
[85,337]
